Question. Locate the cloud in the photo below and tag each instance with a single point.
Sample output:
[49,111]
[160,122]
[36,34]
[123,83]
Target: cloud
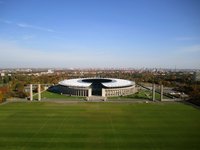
[6,21]
[25,25]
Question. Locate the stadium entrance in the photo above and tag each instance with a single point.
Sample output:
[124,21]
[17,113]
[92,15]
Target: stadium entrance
[96,85]
[96,88]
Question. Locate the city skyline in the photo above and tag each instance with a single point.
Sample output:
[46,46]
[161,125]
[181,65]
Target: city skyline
[100,34]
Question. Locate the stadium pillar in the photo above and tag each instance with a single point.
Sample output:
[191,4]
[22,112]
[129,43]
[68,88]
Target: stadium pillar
[103,92]
[39,92]
[161,92]
[31,92]
[153,92]
[89,92]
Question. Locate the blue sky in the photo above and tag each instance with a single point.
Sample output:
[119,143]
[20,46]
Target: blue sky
[100,33]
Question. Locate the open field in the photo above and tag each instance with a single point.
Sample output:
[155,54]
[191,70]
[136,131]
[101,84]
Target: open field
[53,126]
[51,95]
[142,94]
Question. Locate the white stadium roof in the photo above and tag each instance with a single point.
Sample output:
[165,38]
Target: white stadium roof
[114,83]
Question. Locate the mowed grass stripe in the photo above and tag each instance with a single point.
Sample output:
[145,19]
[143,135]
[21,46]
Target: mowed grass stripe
[99,126]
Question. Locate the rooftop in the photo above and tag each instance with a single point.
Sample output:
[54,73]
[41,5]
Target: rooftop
[112,83]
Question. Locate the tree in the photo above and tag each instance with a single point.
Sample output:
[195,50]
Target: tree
[1,96]
[19,87]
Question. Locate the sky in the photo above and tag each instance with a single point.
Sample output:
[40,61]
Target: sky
[100,34]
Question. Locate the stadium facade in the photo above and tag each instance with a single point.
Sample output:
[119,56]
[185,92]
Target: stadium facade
[105,87]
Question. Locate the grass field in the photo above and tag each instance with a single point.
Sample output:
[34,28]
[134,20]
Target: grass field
[142,94]
[53,126]
[51,95]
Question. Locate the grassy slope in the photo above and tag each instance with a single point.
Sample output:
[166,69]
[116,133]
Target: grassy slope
[99,126]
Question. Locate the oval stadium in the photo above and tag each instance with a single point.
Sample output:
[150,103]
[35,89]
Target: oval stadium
[105,87]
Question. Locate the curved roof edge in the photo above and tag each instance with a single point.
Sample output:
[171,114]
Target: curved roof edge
[74,82]
[113,84]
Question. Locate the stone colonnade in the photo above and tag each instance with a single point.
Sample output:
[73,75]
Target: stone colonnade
[87,92]
[118,91]
[79,91]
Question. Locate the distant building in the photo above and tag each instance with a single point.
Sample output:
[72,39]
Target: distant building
[197,76]
[2,74]
[50,71]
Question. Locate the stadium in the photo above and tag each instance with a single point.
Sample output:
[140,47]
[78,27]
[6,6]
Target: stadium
[105,87]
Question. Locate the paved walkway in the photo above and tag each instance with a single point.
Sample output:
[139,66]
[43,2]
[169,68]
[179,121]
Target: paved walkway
[91,99]
[81,100]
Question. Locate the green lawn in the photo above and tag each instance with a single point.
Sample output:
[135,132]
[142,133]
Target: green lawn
[142,94]
[53,126]
[51,95]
